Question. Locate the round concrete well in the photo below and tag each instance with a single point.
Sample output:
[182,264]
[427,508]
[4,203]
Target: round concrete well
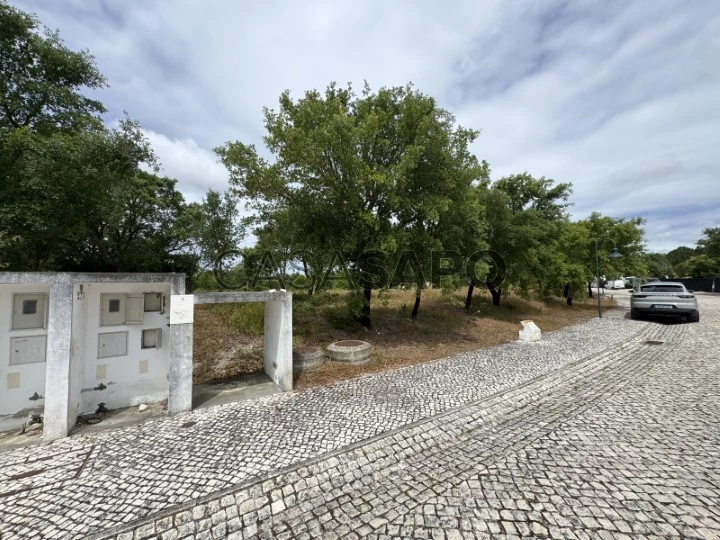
[305,358]
[350,351]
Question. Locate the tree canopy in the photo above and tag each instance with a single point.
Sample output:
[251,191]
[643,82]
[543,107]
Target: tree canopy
[75,194]
[41,79]
[375,172]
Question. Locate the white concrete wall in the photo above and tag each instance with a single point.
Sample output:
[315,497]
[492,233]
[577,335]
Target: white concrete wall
[139,377]
[15,405]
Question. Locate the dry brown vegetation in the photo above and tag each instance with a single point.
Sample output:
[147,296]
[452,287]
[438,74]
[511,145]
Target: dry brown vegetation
[228,338]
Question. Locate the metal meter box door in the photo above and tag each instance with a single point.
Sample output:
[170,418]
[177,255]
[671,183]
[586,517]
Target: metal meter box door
[29,311]
[27,350]
[151,338]
[118,309]
[153,302]
[112,344]
[112,310]
[134,308]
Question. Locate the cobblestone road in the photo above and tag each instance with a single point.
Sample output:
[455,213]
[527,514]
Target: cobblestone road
[614,437]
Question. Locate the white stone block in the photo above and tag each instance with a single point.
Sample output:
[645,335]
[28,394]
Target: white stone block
[530,331]
[182,309]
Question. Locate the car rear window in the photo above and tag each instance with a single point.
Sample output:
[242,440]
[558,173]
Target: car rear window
[662,288]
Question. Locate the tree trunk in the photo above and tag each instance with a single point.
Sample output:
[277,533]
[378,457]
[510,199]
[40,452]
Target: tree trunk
[590,293]
[365,319]
[468,298]
[496,293]
[570,294]
[416,307]
[311,289]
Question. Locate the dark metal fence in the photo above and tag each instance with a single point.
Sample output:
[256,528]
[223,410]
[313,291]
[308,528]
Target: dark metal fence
[700,284]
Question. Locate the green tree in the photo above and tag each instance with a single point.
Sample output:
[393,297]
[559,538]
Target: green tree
[524,217]
[357,174]
[657,264]
[699,266]
[569,269]
[41,79]
[710,243]
[59,186]
[679,255]
[5,241]
[217,228]
[628,235]
[73,195]
[138,228]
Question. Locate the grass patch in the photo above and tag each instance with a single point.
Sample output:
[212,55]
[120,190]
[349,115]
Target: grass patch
[228,337]
[243,318]
[227,341]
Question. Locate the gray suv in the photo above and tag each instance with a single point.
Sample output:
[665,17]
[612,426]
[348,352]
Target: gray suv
[664,298]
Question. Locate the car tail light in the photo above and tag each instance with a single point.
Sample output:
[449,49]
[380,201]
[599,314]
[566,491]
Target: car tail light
[685,296]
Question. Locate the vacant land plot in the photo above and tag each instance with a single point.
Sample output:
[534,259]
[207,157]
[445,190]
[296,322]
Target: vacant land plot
[228,338]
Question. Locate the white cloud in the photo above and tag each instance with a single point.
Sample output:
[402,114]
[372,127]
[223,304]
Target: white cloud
[618,98]
[196,168]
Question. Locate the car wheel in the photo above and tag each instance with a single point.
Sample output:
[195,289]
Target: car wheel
[695,317]
[634,315]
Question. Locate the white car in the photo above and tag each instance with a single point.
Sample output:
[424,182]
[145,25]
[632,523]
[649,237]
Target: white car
[664,298]
[615,284]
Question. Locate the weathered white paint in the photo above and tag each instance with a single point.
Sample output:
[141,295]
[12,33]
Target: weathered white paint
[58,414]
[127,384]
[278,342]
[76,379]
[182,309]
[72,363]
[181,367]
[26,379]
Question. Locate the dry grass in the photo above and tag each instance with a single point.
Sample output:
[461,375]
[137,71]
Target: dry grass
[227,343]
[219,351]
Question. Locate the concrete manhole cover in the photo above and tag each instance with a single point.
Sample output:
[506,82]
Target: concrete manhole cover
[350,351]
[307,357]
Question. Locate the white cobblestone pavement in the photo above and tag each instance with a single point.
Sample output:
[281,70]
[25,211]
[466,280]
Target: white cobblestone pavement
[609,429]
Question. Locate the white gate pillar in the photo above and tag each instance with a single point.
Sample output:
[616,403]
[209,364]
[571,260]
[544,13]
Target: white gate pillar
[56,421]
[278,342]
[181,353]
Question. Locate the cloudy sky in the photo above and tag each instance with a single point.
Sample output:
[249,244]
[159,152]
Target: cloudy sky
[621,98]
